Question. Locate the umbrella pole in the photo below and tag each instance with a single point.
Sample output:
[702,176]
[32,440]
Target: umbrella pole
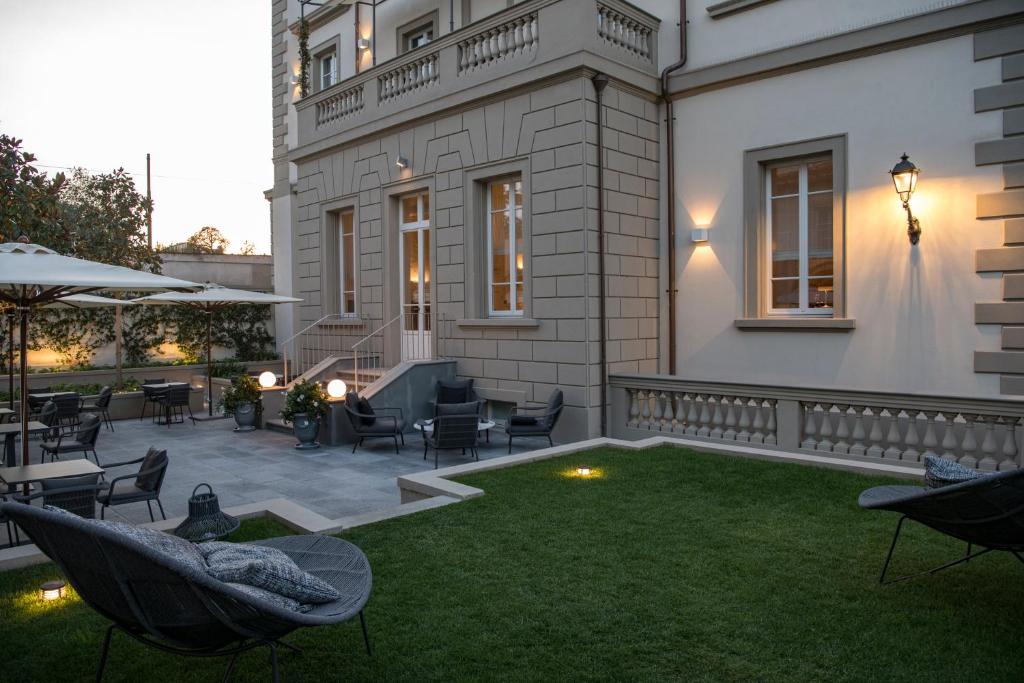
[23,358]
[118,345]
[10,359]
[209,361]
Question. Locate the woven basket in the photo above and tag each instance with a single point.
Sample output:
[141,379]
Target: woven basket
[205,521]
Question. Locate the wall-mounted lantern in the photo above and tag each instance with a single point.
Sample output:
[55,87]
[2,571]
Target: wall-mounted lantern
[904,177]
[699,235]
[363,44]
[402,162]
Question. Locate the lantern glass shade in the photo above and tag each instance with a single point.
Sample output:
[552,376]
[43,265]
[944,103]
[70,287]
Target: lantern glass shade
[51,590]
[336,388]
[904,177]
[267,379]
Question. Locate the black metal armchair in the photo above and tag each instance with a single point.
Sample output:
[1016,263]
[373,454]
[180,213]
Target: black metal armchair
[451,391]
[373,423]
[12,528]
[454,428]
[538,421]
[987,512]
[69,408]
[143,485]
[173,404]
[84,440]
[151,396]
[74,494]
[101,406]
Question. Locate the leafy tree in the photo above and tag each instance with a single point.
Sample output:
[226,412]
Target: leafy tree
[207,240]
[248,248]
[29,200]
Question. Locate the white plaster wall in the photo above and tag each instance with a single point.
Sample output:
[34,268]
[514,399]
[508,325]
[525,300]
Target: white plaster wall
[786,22]
[913,307]
[281,245]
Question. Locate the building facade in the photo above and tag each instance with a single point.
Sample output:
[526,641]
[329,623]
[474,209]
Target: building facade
[450,180]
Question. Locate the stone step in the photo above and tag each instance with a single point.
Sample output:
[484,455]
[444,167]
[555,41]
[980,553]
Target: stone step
[277,425]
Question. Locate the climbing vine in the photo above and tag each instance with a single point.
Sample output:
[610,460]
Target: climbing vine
[304,57]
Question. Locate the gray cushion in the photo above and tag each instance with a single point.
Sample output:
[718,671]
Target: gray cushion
[159,541]
[69,482]
[939,472]
[148,482]
[522,420]
[454,391]
[384,426]
[266,568]
[267,596]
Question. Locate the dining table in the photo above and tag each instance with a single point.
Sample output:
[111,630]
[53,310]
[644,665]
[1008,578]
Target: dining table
[13,476]
[11,430]
[5,414]
[152,391]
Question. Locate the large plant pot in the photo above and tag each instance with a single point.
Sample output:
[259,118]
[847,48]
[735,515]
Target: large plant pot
[245,417]
[305,430]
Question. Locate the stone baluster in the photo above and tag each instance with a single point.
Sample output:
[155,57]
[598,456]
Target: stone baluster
[874,449]
[911,439]
[717,418]
[645,409]
[892,436]
[948,444]
[989,448]
[842,429]
[825,431]
[679,421]
[746,407]
[729,433]
[705,416]
[757,426]
[634,408]
[693,415]
[810,428]
[1009,461]
[857,436]
[658,413]
[930,440]
[969,444]
[771,437]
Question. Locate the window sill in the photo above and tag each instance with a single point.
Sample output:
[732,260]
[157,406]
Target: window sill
[520,323]
[807,324]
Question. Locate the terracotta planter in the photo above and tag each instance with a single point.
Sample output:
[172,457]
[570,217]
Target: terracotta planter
[305,430]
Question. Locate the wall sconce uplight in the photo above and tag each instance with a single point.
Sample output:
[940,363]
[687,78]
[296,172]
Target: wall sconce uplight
[294,80]
[51,590]
[904,177]
[699,235]
[402,162]
[267,379]
[363,44]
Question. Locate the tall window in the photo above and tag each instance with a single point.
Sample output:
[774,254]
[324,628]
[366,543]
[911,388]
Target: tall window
[346,263]
[417,33]
[798,215]
[328,70]
[505,247]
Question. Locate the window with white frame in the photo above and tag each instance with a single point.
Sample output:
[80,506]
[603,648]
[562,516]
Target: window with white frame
[346,263]
[505,265]
[328,69]
[798,217]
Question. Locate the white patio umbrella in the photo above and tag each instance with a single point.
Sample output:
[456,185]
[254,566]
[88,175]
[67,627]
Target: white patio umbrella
[32,275]
[210,298]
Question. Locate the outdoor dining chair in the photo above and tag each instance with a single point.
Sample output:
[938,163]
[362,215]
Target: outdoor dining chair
[154,588]
[74,494]
[454,428]
[173,403]
[539,421]
[151,397]
[143,485]
[12,528]
[987,512]
[84,440]
[102,406]
[371,423]
[69,407]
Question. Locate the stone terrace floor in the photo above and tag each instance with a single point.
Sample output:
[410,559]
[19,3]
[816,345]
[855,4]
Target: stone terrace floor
[260,465]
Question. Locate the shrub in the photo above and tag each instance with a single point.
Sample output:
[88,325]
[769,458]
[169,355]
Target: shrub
[244,389]
[305,398]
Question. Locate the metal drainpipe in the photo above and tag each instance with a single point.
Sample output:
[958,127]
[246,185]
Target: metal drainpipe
[600,82]
[671,195]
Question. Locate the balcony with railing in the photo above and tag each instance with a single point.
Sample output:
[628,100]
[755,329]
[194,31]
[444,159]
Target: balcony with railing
[526,42]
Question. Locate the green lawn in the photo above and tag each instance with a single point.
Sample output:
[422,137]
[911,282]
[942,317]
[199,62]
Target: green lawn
[667,565]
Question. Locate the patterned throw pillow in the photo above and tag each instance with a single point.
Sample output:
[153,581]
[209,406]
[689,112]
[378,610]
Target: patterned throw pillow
[159,541]
[939,472]
[266,568]
[267,596]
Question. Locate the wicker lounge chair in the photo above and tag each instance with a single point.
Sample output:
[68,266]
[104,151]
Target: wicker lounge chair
[165,603]
[455,427]
[986,512]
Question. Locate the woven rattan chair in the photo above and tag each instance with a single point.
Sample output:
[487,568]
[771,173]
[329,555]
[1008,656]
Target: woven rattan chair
[12,528]
[538,421]
[101,406]
[69,408]
[986,512]
[165,603]
[151,397]
[454,430]
[84,440]
[142,486]
[74,494]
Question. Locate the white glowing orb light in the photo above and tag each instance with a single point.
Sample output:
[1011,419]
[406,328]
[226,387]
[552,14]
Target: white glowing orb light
[336,388]
[267,379]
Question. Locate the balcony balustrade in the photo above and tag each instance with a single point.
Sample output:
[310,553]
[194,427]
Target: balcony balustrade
[526,42]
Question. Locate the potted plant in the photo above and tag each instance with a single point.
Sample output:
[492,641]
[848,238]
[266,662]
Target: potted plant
[304,405]
[245,401]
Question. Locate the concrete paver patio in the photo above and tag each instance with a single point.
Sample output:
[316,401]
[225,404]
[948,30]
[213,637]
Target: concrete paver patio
[260,465]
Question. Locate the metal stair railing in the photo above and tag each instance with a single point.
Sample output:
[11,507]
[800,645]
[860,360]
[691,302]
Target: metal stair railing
[311,345]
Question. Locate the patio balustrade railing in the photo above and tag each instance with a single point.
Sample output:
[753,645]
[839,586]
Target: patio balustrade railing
[878,426]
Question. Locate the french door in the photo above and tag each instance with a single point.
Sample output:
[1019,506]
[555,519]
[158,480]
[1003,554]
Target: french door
[414,257]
